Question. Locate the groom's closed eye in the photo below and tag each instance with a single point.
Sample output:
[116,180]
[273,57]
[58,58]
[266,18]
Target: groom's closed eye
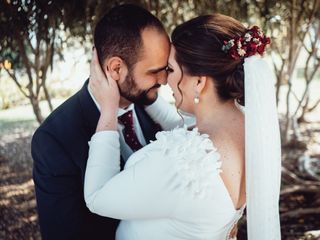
[160,73]
[155,71]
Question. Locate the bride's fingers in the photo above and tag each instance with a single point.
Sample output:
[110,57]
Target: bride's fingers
[99,71]
[93,78]
[98,78]
[111,81]
[96,73]
[234,232]
[94,61]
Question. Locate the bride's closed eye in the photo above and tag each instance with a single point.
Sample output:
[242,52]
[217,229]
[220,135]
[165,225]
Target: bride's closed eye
[169,69]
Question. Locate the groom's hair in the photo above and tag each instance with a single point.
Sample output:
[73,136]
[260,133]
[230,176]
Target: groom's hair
[118,33]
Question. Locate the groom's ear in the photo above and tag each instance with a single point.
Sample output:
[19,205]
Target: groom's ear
[115,66]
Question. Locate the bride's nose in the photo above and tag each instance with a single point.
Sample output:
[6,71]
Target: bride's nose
[162,78]
[163,81]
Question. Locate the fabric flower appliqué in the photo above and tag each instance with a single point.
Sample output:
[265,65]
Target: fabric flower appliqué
[196,159]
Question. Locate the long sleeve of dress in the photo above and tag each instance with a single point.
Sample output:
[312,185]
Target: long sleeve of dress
[170,189]
[144,190]
[167,116]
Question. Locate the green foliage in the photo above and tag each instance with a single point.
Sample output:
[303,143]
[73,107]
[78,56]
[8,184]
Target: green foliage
[32,25]
[33,33]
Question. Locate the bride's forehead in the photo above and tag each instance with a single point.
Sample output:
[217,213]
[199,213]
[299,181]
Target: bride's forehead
[172,52]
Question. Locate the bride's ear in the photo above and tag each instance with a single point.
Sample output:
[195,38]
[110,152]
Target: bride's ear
[116,68]
[200,84]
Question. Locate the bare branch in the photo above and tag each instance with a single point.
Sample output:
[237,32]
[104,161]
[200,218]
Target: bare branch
[314,106]
[14,78]
[296,179]
[30,45]
[300,188]
[25,60]
[300,212]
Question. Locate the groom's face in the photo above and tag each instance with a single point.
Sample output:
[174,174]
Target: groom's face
[146,76]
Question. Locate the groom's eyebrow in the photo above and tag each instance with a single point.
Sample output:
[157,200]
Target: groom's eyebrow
[157,69]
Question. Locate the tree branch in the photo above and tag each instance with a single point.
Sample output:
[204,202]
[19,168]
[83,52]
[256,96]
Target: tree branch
[314,106]
[14,78]
[296,179]
[300,188]
[300,212]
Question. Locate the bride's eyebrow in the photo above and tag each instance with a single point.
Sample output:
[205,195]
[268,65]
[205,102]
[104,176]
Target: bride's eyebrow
[157,69]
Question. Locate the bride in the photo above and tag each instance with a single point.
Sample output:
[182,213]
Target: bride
[195,184]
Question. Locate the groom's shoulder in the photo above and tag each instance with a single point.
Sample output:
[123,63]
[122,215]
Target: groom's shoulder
[65,118]
[63,114]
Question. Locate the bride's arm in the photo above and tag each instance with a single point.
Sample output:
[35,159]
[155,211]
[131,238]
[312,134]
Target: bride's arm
[137,192]
[145,190]
[167,116]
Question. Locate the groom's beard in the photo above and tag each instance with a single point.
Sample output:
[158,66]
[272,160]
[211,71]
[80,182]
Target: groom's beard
[130,91]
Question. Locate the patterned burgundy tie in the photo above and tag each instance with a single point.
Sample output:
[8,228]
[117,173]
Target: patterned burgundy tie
[129,133]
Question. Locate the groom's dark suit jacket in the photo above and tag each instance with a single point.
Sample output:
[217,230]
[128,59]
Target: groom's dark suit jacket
[60,152]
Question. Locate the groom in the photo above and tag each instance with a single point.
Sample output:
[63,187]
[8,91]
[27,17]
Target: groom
[134,44]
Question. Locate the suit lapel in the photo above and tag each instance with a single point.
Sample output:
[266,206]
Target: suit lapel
[90,113]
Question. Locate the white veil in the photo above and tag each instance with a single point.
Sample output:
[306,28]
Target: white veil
[263,151]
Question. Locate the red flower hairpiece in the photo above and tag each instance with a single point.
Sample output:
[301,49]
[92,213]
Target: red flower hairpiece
[253,42]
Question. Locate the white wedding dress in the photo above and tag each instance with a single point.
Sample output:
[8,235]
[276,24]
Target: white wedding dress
[170,189]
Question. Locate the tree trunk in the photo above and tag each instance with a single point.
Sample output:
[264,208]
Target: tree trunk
[36,109]
[278,86]
[48,97]
[304,110]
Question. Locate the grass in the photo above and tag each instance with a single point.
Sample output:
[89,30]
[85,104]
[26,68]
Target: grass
[21,118]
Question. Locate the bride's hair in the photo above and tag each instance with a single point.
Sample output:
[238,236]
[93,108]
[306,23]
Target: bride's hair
[198,44]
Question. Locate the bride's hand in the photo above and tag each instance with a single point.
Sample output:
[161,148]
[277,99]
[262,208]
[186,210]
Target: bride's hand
[234,232]
[106,92]
[103,87]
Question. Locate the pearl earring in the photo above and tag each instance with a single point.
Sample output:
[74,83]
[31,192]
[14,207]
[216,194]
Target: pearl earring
[196,100]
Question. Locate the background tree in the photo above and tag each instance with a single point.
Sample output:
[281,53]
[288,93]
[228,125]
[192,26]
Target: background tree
[290,22]
[311,45]
[32,32]
[35,35]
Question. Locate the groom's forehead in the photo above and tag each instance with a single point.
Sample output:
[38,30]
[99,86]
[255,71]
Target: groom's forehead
[155,46]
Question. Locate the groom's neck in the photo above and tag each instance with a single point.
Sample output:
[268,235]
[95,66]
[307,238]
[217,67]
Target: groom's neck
[124,103]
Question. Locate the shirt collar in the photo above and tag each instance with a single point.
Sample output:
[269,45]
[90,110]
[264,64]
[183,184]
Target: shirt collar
[122,111]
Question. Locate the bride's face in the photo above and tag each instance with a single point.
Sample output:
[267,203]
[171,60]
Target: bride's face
[181,84]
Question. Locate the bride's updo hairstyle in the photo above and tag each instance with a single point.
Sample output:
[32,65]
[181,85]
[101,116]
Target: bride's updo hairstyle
[199,47]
